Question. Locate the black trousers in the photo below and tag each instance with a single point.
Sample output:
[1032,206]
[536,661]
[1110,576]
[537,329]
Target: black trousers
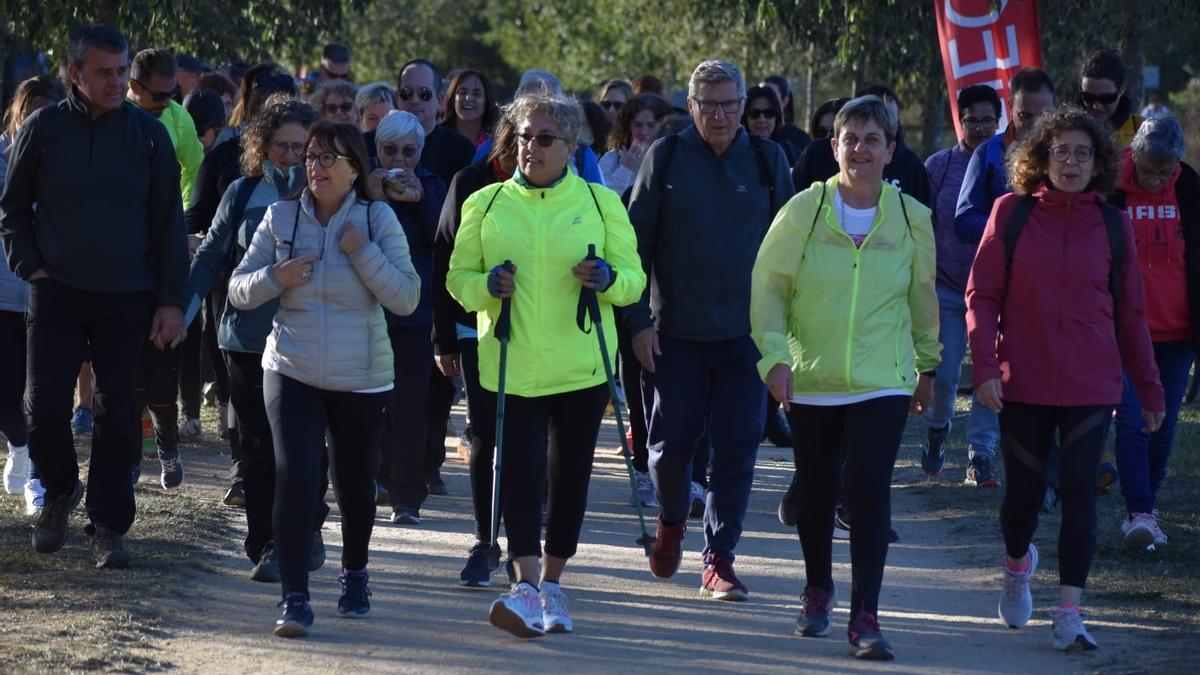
[440,399]
[189,370]
[60,320]
[299,416]
[157,378]
[13,424]
[631,383]
[483,438]
[1027,438]
[869,432]
[403,442]
[548,437]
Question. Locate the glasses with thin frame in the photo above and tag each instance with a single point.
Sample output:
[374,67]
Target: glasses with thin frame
[325,159]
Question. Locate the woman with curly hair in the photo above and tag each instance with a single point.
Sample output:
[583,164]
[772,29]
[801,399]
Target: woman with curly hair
[636,127]
[334,102]
[1055,311]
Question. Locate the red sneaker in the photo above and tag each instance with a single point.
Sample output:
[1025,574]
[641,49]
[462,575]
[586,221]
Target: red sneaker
[719,582]
[667,551]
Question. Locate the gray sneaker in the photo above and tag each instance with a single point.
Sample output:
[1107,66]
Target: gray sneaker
[1069,633]
[1016,602]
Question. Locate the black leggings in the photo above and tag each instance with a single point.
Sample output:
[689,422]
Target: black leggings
[189,370]
[557,433]
[1027,435]
[12,378]
[155,387]
[483,439]
[299,415]
[870,434]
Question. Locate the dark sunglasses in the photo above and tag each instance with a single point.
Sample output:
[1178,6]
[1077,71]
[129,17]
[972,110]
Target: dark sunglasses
[424,93]
[407,152]
[336,76]
[755,114]
[544,140]
[158,96]
[1089,98]
[333,108]
[611,105]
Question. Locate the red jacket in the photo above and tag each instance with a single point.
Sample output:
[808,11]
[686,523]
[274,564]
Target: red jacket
[1058,346]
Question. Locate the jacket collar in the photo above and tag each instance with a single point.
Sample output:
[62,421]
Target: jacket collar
[1055,198]
[520,179]
[691,136]
[77,103]
[308,205]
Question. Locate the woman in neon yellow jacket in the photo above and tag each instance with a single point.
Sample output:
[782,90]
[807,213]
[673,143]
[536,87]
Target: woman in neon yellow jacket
[844,311]
[543,219]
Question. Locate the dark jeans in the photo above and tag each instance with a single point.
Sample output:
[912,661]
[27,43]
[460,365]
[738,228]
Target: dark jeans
[1026,438]
[13,424]
[60,320]
[550,437]
[157,379]
[1142,459]
[299,415]
[483,438]
[869,434]
[631,383]
[189,370]
[717,382]
[403,446]
[440,401]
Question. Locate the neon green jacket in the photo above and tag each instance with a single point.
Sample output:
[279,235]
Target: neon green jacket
[846,319]
[188,149]
[545,232]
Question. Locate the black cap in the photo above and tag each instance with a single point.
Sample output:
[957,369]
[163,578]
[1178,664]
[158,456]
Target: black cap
[206,108]
[191,64]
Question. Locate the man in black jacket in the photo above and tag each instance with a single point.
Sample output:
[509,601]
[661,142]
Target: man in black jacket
[419,91]
[106,258]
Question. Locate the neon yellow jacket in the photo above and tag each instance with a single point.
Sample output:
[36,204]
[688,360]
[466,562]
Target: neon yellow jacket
[847,319]
[545,232]
[188,149]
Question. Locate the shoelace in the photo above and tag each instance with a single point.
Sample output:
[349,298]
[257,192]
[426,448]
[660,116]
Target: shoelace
[292,601]
[554,603]
[867,624]
[1070,620]
[168,465]
[815,601]
[1014,582]
[527,596]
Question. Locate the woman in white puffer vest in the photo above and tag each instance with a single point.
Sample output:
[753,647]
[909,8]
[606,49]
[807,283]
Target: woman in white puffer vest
[334,259]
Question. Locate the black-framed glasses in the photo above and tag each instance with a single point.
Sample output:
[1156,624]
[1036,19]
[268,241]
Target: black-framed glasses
[1081,153]
[979,122]
[611,105]
[544,140]
[344,106]
[325,159]
[710,107]
[755,114]
[158,96]
[423,93]
[391,150]
[1089,98]
[284,149]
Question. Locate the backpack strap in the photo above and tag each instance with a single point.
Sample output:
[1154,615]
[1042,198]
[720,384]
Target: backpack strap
[241,198]
[1115,226]
[1012,229]
[581,310]
[904,210]
[816,216]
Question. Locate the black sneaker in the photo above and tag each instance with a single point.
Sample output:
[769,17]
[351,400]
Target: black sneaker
[790,504]
[435,484]
[354,603]
[236,495]
[267,569]
[108,550]
[172,468]
[867,640]
[296,619]
[475,573]
[406,516]
[841,524]
[933,455]
[316,554]
[50,533]
[814,620]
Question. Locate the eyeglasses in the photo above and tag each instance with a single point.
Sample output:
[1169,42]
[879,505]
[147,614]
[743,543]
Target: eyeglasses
[158,96]
[544,140]
[1089,98]
[407,152]
[333,108]
[1062,153]
[284,149]
[710,107]
[325,159]
[1144,171]
[424,93]
[757,113]
[979,123]
[612,105]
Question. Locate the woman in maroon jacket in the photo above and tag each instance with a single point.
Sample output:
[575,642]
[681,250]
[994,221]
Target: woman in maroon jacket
[1048,351]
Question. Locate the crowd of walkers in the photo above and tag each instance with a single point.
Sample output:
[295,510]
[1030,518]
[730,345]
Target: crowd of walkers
[340,262]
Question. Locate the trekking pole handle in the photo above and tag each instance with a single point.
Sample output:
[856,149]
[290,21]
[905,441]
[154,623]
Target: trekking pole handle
[589,294]
[504,323]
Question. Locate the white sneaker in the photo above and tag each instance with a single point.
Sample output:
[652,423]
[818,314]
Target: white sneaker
[1139,529]
[35,497]
[189,429]
[519,612]
[645,489]
[1016,602]
[16,469]
[555,618]
[1160,539]
[1069,633]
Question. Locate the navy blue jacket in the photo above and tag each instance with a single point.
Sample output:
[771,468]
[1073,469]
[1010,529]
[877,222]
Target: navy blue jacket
[986,181]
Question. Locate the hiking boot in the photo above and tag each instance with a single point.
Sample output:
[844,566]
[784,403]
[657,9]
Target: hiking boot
[814,618]
[697,497]
[519,611]
[435,485]
[778,431]
[267,568]
[316,554]
[867,640]
[236,495]
[108,548]
[719,581]
[1139,530]
[35,497]
[645,490]
[476,574]
[841,524]
[81,421]
[933,455]
[979,474]
[354,603]
[1069,633]
[790,504]
[405,516]
[1016,602]
[50,533]
[667,551]
[16,470]
[189,429]
[172,468]
[296,619]
[555,618]
[1106,475]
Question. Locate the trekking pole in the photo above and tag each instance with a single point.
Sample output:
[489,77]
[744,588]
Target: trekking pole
[502,330]
[588,298]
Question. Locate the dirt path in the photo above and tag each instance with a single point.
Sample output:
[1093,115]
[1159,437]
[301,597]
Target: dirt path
[938,604]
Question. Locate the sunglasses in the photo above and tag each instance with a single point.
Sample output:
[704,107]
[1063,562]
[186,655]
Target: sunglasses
[407,152]
[1089,98]
[325,159]
[611,105]
[158,96]
[333,108]
[424,93]
[755,114]
[544,140]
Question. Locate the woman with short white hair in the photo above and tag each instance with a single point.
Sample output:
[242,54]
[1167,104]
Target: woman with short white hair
[374,101]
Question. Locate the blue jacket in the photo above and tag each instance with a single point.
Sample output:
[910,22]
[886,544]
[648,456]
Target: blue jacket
[986,181]
[584,163]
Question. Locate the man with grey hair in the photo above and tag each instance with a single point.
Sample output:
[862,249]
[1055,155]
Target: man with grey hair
[701,205]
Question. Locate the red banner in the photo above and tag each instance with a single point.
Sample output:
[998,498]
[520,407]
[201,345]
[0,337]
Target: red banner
[984,46]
